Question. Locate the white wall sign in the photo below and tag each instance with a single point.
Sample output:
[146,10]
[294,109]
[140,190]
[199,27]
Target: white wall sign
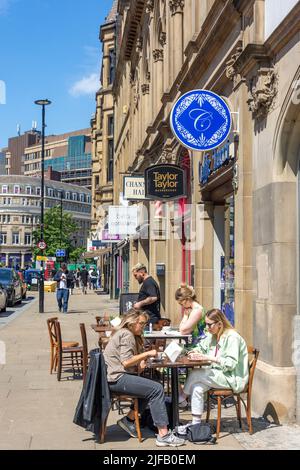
[134,187]
[276,11]
[122,220]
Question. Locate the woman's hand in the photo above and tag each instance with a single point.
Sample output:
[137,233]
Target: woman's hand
[152,353]
[194,356]
[142,366]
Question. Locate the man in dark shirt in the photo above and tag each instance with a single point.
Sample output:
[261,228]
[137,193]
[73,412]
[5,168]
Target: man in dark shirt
[149,295]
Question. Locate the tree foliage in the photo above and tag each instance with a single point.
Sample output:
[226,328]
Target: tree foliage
[59,233]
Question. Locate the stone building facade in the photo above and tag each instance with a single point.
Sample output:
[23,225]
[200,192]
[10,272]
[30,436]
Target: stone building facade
[245,194]
[20,210]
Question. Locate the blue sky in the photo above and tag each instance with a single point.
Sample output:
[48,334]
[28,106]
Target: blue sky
[49,49]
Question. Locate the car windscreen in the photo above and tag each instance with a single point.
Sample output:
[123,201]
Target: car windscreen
[5,276]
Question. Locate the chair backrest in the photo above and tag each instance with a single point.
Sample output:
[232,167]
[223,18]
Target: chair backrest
[98,320]
[58,336]
[252,365]
[51,330]
[83,337]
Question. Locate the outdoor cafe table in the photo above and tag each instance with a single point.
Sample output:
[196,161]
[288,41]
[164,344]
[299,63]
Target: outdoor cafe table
[174,366]
[101,330]
[166,335]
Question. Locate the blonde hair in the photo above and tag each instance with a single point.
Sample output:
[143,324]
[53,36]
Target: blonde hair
[217,316]
[128,321]
[185,292]
[139,267]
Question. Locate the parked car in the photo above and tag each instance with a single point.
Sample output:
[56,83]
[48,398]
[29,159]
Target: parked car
[3,299]
[32,277]
[24,285]
[10,280]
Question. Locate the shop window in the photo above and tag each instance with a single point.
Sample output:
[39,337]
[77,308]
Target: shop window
[15,238]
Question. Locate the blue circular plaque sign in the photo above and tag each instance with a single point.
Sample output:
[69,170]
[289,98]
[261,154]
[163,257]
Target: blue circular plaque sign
[201,120]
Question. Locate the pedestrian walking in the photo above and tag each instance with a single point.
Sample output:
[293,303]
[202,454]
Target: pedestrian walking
[149,295]
[77,278]
[93,278]
[84,275]
[63,286]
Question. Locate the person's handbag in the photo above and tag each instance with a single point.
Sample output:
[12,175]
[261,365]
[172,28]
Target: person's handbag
[200,433]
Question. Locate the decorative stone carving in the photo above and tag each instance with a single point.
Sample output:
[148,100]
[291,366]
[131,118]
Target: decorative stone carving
[176,6]
[149,6]
[263,93]
[158,55]
[168,156]
[162,38]
[231,70]
[139,44]
[148,76]
[145,88]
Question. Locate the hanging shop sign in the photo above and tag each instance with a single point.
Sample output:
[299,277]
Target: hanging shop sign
[212,162]
[133,187]
[122,220]
[165,182]
[201,120]
[107,237]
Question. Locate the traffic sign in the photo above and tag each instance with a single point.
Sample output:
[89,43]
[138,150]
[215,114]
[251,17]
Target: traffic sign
[41,258]
[201,120]
[60,253]
[42,245]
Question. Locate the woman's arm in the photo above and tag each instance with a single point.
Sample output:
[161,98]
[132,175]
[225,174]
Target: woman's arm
[187,326]
[132,361]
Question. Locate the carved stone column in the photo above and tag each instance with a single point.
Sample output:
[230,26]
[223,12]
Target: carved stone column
[176,7]
[158,56]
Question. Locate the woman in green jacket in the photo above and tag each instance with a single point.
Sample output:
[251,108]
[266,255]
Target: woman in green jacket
[227,352]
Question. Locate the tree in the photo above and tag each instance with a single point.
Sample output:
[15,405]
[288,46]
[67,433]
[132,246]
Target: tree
[57,234]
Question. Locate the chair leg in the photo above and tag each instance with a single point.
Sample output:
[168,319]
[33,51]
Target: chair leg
[238,410]
[219,417]
[52,358]
[59,365]
[208,407]
[136,418]
[248,412]
[103,431]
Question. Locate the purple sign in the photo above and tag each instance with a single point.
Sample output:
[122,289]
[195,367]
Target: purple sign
[108,238]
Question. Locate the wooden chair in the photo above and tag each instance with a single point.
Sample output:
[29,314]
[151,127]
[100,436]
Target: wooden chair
[67,356]
[115,397]
[85,355]
[53,343]
[222,394]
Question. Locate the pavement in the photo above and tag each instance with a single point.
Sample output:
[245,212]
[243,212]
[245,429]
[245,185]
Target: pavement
[36,411]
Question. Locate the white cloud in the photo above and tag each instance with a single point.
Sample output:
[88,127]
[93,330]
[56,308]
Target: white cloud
[86,86]
[4,5]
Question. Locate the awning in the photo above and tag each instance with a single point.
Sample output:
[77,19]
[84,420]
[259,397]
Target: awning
[96,253]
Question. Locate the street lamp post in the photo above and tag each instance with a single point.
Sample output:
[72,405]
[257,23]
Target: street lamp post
[42,103]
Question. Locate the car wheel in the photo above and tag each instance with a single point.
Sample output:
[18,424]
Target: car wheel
[11,303]
[24,296]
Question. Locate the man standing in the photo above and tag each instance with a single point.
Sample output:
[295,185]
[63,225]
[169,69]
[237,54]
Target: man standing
[62,291]
[84,275]
[149,295]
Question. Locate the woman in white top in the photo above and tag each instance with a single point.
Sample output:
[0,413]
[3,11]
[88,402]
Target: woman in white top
[193,312]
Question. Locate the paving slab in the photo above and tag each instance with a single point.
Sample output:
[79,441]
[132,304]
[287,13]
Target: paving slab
[36,411]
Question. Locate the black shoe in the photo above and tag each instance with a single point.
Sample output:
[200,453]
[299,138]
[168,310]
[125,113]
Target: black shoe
[127,426]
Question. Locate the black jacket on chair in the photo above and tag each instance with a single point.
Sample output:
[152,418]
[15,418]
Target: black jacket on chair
[94,402]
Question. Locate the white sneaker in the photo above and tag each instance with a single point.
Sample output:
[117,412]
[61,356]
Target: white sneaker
[182,430]
[169,440]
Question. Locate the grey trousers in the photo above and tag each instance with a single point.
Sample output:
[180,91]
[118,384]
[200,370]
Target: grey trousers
[148,392]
